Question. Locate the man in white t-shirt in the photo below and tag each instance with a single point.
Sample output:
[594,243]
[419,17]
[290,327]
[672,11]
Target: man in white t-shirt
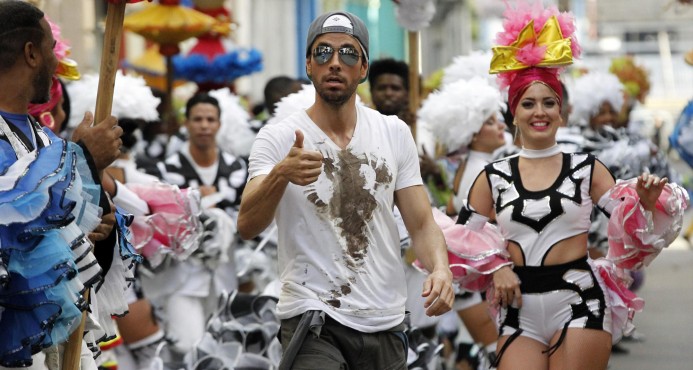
[188,289]
[330,177]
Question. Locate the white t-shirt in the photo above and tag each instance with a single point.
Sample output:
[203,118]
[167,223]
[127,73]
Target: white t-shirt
[338,241]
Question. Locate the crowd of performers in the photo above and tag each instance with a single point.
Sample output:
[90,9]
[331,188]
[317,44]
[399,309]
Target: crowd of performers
[525,174]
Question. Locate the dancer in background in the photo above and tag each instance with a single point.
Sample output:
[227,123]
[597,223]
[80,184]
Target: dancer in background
[464,116]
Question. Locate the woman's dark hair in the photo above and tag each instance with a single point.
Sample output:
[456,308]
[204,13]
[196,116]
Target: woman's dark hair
[20,24]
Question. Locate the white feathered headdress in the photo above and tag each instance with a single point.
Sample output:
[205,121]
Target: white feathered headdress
[590,91]
[466,67]
[457,111]
[132,98]
[235,135]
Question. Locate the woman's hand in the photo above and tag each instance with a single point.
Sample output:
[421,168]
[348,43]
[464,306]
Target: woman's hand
[649,187]
[506,287]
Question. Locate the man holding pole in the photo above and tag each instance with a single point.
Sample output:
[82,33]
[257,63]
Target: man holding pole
[330,177]
[50,197]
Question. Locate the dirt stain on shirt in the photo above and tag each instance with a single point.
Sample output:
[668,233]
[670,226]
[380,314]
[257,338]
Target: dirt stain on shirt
[352,204]
[334,301]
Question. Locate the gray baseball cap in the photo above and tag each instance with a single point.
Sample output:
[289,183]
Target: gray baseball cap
[338,21]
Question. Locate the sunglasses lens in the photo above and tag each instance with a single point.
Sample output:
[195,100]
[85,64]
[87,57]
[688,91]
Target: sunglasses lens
[349,59]
[322,58]
[322,54]
[349,56]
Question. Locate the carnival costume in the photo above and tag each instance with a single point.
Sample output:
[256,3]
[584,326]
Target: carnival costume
[625,153]
[165,220]
[51,201]
[582,293]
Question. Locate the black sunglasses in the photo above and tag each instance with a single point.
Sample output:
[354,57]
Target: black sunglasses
[348,55]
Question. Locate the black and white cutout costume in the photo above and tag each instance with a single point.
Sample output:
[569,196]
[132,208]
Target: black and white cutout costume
[554,297]
[584,293]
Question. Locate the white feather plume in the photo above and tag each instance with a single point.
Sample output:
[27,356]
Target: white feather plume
[415,15]
[235,135]
[298,101]
[590,91]
[292,103]
[132,98]
[466,67]
[457,111]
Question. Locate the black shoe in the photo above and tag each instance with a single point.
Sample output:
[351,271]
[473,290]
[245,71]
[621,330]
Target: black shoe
[618,349]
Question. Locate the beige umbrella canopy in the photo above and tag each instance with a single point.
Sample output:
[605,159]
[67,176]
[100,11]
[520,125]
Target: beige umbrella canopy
[152,66]
[168,24]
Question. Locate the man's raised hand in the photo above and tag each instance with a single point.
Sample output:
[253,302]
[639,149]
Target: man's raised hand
[301,166]
[102,139]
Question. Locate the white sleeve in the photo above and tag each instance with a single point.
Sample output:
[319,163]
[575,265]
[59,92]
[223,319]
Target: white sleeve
[266,151]
[129,201]
[408,172]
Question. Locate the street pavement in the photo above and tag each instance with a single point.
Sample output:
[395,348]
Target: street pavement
[667,320]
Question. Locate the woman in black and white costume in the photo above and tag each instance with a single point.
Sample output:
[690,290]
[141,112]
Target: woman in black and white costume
[464,117]
[556,307]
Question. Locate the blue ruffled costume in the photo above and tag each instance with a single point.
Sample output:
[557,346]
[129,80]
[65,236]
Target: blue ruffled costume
[48,204]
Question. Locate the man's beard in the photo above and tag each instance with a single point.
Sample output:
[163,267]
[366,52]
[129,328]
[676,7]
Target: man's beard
[337,98]
[389,110]
[42,87]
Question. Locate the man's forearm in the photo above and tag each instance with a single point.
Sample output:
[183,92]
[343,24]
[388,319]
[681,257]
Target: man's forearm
[259,204]
[430,248]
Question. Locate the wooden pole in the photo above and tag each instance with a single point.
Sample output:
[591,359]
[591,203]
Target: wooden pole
[73,347]
[104,101]
[109,60]
[414,88]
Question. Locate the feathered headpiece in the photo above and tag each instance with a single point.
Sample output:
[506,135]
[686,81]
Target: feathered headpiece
[235,135]
[457,111]
[466,67]
[590,92]
[534,44]
[132,98]
[67,68]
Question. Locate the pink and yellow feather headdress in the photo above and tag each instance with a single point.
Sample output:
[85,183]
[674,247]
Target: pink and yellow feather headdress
[534,45]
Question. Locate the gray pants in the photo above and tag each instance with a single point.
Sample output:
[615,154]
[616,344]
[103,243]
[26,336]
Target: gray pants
[338,347]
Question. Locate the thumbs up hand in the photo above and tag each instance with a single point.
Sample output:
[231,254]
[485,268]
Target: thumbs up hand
[301,166]
[298,143]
